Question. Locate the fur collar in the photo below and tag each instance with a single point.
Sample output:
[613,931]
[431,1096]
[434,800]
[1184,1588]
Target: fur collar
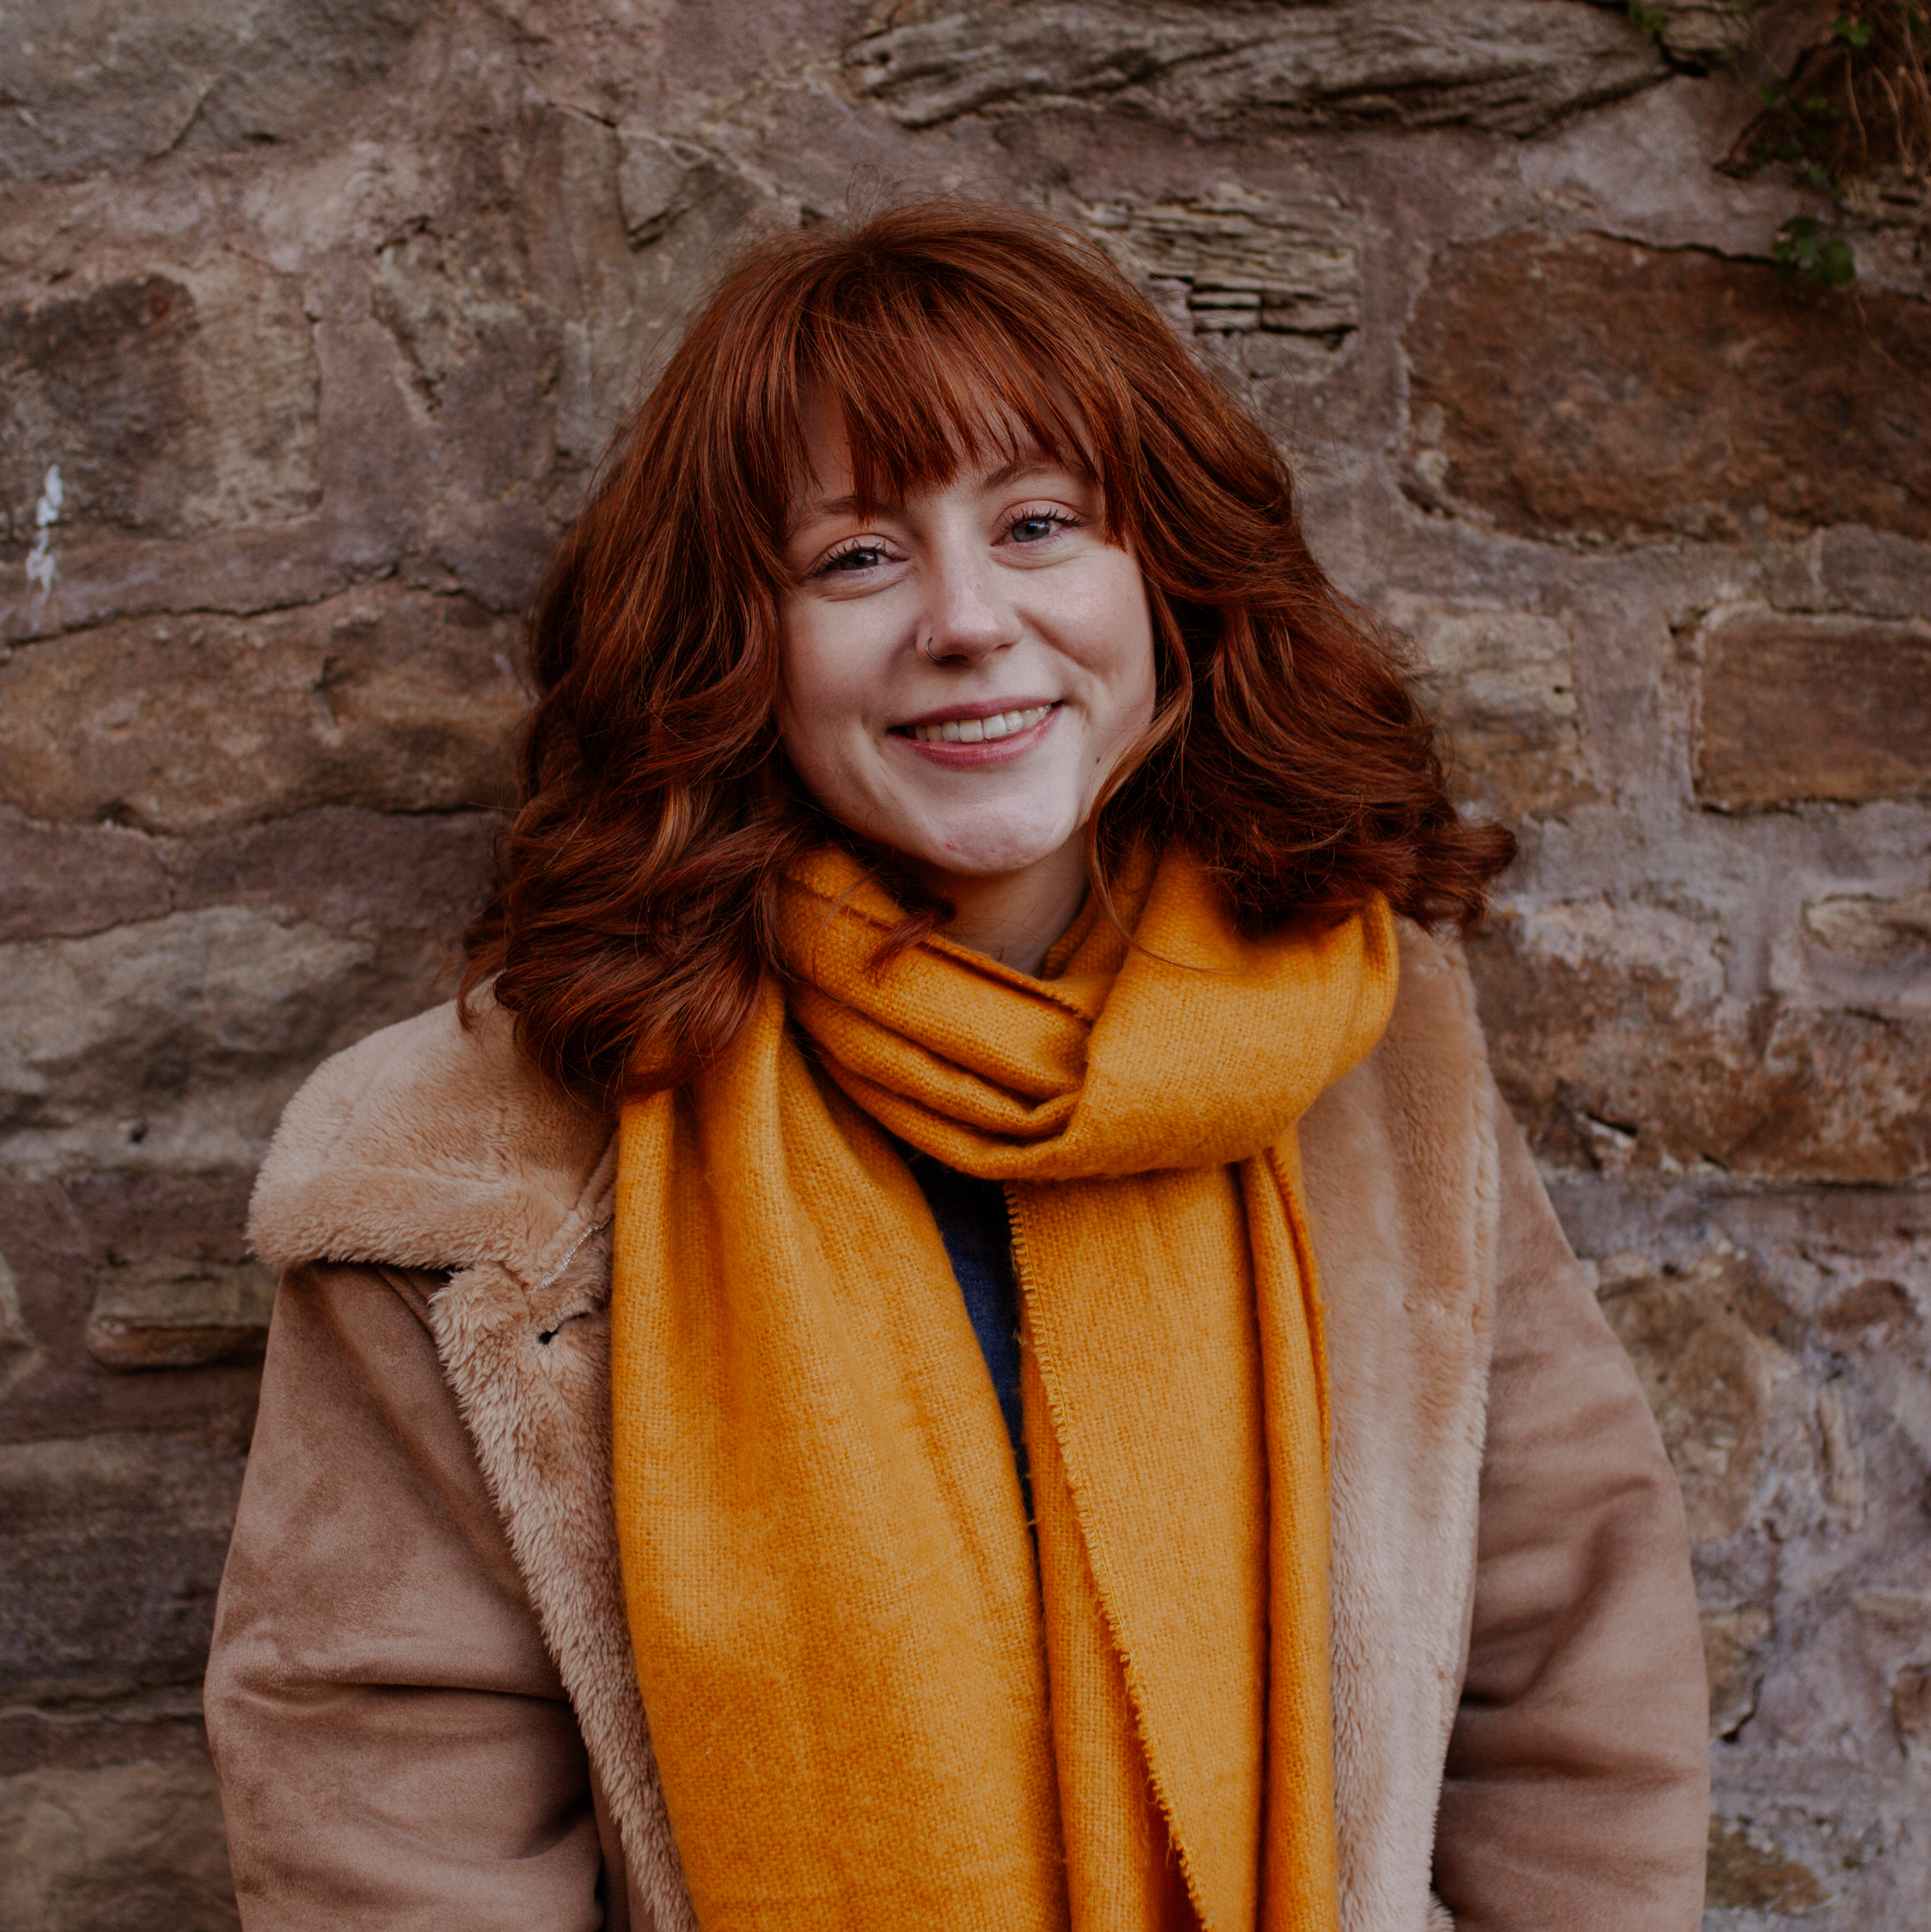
[428,1145]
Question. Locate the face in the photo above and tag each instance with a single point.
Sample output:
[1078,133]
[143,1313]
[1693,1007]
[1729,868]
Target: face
[961,671]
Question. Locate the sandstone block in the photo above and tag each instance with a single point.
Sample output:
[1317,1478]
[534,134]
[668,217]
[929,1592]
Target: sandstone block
[1700,34]
[1245,262]
[345,868]
[115,1547]
[1701,1339]
[170,1313]
[1516,66]
[384,698]
[177,1041]
[69,1239]
[1880,930]
[1750,1871]
[1911,1702]
[1502,685]
[1735,1652]
[164,404]
[70,880]
[1613,1038]
[1793,708]
[1872,572]
[1572,385]
[19,1347]
[92,85]
[115,1848]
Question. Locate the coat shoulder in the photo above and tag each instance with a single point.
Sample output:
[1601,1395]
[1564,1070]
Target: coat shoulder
[430,1144]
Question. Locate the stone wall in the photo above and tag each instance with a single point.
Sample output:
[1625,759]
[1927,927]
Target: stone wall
[313,319]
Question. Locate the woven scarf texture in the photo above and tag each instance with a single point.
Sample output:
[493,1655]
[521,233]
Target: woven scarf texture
[874,1706]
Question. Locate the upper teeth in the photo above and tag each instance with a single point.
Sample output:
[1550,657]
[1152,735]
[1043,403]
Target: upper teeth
[974,731]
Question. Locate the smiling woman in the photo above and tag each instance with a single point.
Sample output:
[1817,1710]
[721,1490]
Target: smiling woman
[951,1334]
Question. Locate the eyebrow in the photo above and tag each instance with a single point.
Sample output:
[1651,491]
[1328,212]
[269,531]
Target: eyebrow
[1003,478]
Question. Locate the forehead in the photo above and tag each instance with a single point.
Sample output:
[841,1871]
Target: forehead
[849,454]
[834,449]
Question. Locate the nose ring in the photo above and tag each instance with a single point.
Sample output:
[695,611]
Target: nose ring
[927,648]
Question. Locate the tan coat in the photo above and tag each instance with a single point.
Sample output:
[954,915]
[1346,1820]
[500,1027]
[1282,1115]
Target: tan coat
[421,1701]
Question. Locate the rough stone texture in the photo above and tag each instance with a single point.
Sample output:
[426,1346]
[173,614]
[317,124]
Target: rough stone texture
[322,314]
[121,1848]
[164,402]
[1620,1045]
[173,1313]
[397,701]
[1568,384]
[1502,683]
[1796,708]
[1243,262]
[99,84]
[1516,66]
[152,1515]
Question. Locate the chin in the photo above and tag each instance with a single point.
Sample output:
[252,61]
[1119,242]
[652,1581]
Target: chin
[982,857]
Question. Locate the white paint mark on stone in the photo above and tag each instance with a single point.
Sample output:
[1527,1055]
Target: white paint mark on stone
[46,514]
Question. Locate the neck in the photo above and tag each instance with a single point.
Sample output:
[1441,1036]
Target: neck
[1014,917]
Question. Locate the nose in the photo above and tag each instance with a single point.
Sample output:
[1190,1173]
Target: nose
[968,615]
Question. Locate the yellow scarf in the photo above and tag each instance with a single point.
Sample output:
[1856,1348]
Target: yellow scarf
[873,1711]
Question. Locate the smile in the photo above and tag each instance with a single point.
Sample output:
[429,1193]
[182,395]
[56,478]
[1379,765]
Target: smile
[978,730]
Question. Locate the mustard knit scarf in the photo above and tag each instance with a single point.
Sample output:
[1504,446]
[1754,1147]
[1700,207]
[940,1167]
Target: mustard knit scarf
[872,1710]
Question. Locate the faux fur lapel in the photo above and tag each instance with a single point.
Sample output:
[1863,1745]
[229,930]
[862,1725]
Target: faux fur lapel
[430,1147]
[1400,1160]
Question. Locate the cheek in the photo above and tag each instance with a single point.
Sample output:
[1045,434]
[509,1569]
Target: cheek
[818,702]
[1131,674]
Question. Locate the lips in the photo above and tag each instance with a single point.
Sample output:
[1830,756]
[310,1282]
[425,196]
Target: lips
[975,731]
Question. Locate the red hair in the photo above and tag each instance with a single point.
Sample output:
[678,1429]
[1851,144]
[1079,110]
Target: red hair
[634,913]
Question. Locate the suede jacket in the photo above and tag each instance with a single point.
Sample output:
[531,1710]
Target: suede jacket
[422,1700]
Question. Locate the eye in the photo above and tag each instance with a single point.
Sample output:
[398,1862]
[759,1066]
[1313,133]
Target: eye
[858,555]
[1037,526]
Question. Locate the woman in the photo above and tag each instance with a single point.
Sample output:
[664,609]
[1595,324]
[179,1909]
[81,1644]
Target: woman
[953,1333]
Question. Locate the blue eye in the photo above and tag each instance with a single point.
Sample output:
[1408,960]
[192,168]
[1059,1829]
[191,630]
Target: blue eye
[1036,526]
[863,556]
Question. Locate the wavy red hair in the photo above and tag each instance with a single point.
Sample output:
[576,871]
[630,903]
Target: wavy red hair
[634,914]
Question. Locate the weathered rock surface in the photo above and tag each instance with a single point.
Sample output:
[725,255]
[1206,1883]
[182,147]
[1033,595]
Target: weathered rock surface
[1502,685]
[1704,1340]
[1646,1062]
[19,1347]
[115,1848]
[1794,709]
[92,84]
[177,1041]
[1749,1871]
[176,1313]
[1867,927]
[163,403]
[68,1236]
[1515,67]
[1244,261]
[116,1545]
[1578,386]
[382,698]
[1699,33]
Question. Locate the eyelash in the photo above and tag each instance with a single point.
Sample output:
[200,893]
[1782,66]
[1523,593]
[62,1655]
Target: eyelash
[853,546]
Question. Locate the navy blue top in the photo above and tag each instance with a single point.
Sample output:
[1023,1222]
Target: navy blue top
[972,1223]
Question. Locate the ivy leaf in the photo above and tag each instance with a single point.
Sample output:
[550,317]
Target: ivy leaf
[1836,263]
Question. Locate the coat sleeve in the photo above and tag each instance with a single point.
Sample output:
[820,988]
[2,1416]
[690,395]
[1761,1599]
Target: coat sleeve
[1577,1791]
[394,1746]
